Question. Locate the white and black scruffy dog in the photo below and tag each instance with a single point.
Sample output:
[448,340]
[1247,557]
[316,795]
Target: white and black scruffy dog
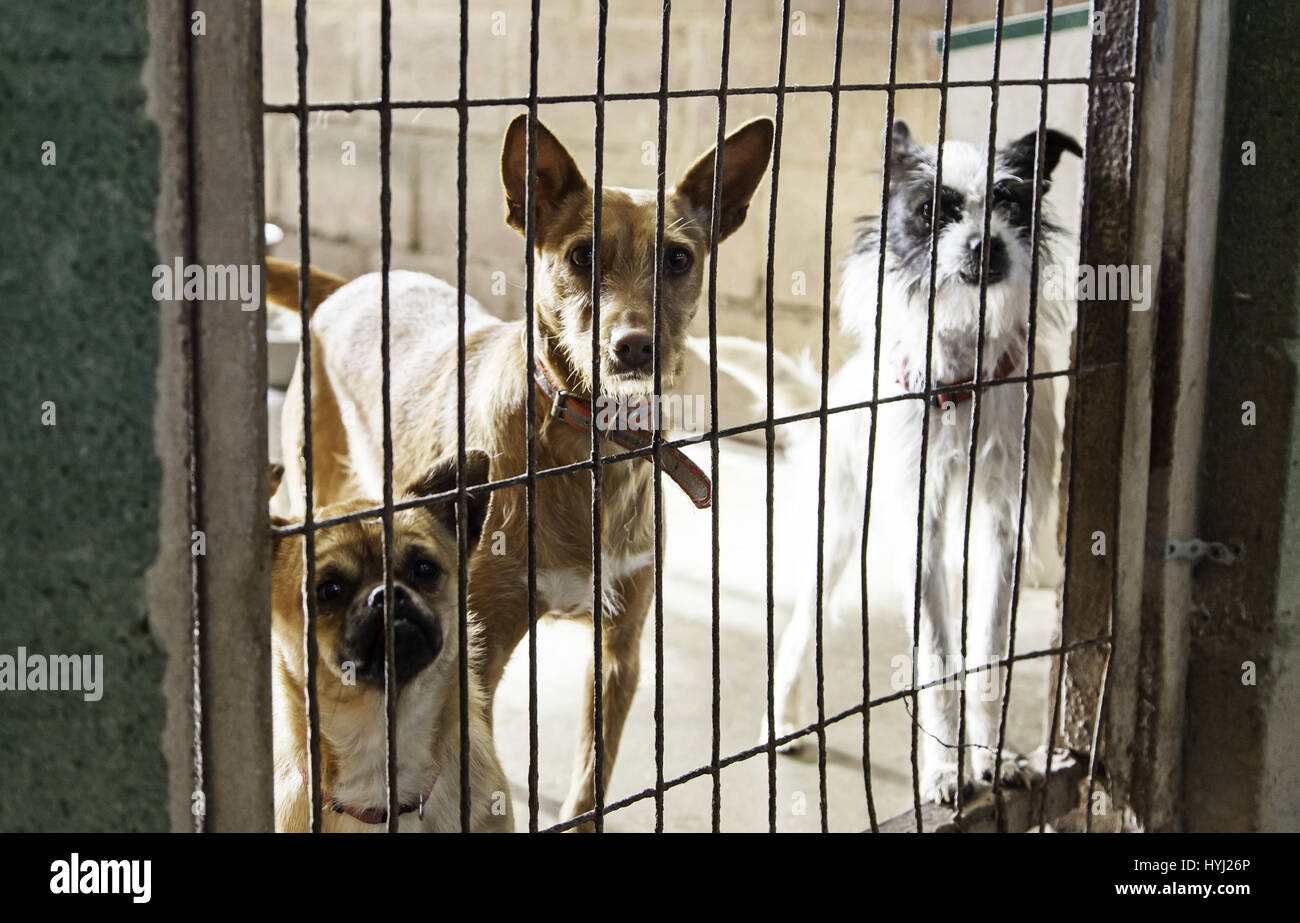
[947,417]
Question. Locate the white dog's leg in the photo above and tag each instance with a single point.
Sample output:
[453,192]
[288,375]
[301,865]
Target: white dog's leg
[993,537]
[936,656]
[843,545]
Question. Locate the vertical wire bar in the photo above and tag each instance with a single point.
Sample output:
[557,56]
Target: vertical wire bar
[385,250]
[657,435]
[1134,149]
[1031,339]
[769,430]
[875,396]
[925,405]
[530,411]
[715,615]
[715,549]
[825,397]
[311,652]
[194,422]
[977,399]
[598,606]
[462,505]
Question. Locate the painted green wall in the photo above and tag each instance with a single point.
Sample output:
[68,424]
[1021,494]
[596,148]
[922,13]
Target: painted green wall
[1243,741]
[78,521]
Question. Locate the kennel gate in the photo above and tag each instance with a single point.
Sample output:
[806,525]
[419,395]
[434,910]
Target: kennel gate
[1126,94]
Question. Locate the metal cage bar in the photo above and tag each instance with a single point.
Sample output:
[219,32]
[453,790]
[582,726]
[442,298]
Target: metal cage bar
[656,436]
[462,506]
[530,476]
[715,550]
[818,657]
[871,437]
[597,513]
[976,396]
[766,90]
[925,399]
[311,653]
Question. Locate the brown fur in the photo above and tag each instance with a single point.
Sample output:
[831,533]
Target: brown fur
[424,421]
[282,284]
[353,748]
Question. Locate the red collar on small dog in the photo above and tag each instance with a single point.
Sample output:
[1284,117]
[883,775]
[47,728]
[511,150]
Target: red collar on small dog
[576,411]
[1007,363]
[371,815]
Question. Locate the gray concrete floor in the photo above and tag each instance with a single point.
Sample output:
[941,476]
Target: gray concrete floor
[564,648]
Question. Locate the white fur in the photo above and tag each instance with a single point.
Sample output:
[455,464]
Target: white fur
[897,461]
[347,332]
[565,591]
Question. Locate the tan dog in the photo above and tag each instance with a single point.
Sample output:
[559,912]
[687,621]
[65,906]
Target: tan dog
[346,400]
[350,673]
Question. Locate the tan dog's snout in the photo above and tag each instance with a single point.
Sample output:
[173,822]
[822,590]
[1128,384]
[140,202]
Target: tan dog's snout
[417,636]
[632,348]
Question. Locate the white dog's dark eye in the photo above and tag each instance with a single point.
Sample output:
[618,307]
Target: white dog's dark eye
[328,590]
[924,212]
[580,256]
[678,260]
[425,570]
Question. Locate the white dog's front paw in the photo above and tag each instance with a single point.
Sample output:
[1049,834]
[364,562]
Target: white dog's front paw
[939,784]
[790,748]
[1013,773]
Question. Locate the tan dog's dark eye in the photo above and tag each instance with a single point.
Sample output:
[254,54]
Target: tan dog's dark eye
[425,571]
[329,590]
[580,256]
[678,260]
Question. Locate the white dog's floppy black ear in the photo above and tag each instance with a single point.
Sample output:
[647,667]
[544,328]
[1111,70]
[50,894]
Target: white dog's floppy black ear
[1020,156]
[442,478]
[904,153]
[745,154]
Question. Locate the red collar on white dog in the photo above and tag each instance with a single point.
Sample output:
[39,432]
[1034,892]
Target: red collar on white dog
[1007,363]
[370,815]
[576,411]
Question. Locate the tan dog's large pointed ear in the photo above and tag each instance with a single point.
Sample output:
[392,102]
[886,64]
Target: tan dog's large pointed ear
[442,477]
[745,154]
[557,175]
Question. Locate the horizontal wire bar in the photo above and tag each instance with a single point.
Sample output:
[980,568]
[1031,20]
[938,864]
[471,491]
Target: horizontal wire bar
[761,748]
[695,439]
[653,95]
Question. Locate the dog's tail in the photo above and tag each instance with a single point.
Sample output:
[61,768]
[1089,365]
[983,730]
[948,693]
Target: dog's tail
[282,284]
[796,383]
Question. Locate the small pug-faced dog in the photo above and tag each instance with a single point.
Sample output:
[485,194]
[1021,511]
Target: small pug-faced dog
[349,588]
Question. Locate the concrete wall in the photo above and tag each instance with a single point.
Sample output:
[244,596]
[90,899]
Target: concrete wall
[79,518]
[1242,739]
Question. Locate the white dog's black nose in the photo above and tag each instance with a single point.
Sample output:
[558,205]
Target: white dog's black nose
[632,348]
[970,272]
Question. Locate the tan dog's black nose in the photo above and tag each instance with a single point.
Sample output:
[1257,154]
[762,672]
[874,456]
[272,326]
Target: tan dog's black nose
[417,639]
[632,348]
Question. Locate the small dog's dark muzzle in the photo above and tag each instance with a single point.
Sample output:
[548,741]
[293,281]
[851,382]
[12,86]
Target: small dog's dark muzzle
[417,638]
[998,264]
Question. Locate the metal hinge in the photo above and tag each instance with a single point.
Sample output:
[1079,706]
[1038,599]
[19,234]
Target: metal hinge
[1194,549]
